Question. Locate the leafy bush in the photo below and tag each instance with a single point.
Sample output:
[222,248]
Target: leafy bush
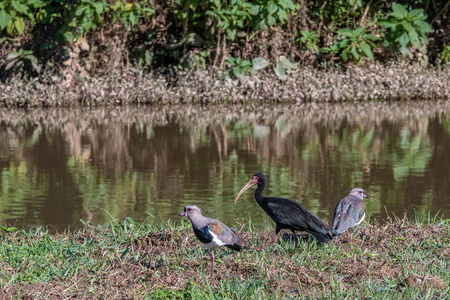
[269,12]
[249,16]
[238,67]
[308,39]
[445,57]
[356,43]
[21,58]
[406,29]
[151,34]
[232,17]
[282,66]
[130,13]
[14,13]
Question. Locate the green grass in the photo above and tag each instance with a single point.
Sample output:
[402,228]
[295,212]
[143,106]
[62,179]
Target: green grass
[395,259]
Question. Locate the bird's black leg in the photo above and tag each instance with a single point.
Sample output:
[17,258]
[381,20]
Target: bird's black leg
[295,239]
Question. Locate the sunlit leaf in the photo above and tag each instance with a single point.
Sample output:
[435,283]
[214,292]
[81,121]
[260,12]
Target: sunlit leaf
[422,26]
[271,20]
[13,55]
[346,32]
[238,72]
[10,28]
[359,31]
[254,10]
[259,63]
[371,37]
[399,10]
[133,18]
[355,53]
[19,23]
[407,25]
[5,18]
[344,54]
[80,11]
[416,14]
[414,39]
[366,49]
[36,66]
[403,40]
[271,7]
[387,24]
[19,6]
[280,71]
[98,7]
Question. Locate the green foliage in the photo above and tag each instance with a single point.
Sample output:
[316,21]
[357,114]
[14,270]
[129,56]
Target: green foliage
[248,16]
[21,58]
[272,11]
[153,30]
[130,13]
[406,29]
[14,13]
[445,57]
[238,67]
[259,63]
[308,39]
[282,66]
[70,19]
[356,43]
[232,17]
[81,19]
[8,229]
[340,13]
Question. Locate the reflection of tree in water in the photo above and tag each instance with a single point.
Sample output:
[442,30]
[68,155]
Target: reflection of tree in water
[134,160]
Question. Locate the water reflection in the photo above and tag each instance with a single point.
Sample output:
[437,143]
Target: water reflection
[58,166]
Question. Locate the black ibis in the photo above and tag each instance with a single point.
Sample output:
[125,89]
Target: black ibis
[350,211]
[211,232]
[288,214]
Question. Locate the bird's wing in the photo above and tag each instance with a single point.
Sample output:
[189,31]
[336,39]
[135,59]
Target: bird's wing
[291,213]
[348,213]
[226,235]
[203,234]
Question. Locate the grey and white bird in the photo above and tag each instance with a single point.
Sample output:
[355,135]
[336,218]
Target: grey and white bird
[350,211]
[211,232]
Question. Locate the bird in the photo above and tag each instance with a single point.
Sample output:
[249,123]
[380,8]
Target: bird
[350,211]
[288,214]
[211,232]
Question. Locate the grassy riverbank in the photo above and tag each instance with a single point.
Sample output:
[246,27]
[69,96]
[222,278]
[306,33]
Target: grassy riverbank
[124,260]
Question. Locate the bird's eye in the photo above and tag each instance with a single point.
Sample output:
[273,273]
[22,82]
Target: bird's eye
[189,209]
[255,177]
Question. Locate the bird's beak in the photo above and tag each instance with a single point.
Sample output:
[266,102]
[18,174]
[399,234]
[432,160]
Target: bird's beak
[182,214]
[249,184]
[364,195]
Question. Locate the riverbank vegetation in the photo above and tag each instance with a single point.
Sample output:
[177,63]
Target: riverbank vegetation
[396,258]
[54,42]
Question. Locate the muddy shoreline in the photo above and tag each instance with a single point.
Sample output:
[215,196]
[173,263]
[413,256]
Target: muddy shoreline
[375,82]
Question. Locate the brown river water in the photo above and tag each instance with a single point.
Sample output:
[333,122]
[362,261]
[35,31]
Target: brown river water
[62,165]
